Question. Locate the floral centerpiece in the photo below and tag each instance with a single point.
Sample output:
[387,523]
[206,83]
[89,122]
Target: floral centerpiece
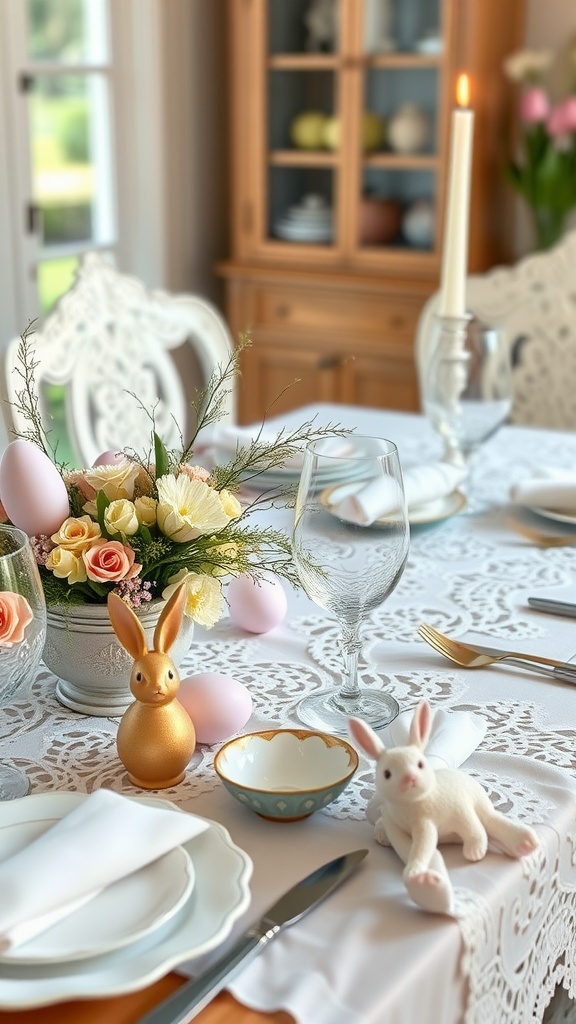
[140,525]
[544,170]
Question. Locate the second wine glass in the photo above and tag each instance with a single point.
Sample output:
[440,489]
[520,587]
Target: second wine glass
[350,544]
[22,632]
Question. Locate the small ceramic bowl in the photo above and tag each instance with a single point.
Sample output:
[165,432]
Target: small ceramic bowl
[286,774]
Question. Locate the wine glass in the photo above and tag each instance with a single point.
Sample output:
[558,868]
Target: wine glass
[350,543]
[22,632]
[466,388]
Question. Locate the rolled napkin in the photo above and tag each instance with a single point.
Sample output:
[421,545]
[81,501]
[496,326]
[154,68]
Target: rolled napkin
[105,838]
[454,736]
[421,484]
[553,489]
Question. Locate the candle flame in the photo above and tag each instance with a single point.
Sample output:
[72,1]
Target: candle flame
[463,91]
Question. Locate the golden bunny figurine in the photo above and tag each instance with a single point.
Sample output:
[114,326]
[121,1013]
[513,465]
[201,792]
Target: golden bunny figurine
[156,737]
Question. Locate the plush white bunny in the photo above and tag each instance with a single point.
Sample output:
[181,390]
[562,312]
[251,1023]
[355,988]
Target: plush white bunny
[420,807]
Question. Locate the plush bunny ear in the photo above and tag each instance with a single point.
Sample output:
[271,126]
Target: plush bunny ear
[420,725]
[169,623]
[127,626]
[366,738]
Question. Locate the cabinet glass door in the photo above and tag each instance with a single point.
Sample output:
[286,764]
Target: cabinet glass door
[304,96]
[402,42]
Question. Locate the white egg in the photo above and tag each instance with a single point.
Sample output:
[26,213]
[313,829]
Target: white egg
[256,605]
[31,489]
[218,705]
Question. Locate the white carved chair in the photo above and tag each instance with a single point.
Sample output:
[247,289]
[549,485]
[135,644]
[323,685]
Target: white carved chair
[535,301]
[109,336]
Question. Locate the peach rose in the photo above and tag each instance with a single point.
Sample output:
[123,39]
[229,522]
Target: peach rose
[109,561]
[76,534]
[15,614]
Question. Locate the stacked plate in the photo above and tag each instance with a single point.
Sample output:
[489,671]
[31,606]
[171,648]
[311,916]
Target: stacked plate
[175,909]
[309,221]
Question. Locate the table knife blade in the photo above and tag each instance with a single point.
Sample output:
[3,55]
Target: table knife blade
[193,996]
[545,604]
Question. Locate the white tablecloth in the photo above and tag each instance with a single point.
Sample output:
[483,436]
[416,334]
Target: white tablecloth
[367,955]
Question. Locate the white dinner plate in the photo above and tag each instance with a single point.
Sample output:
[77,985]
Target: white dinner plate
[557,517]
[436,511]
[122,913]
[219,897]
[418,515]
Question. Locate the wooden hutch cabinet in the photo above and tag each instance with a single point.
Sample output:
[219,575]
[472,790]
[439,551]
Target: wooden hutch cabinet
[340,133]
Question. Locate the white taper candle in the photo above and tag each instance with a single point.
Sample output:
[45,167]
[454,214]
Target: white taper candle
[455,254]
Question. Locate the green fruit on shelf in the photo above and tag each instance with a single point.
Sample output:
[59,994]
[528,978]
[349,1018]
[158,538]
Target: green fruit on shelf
[331,133]
[306,130]
[372,128]
[373,131]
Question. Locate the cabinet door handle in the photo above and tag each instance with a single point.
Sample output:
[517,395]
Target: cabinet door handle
[283,311]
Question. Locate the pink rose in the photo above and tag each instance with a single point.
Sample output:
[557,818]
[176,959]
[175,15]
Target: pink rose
[15,614]
[534,105]
[562,119]
[109,560]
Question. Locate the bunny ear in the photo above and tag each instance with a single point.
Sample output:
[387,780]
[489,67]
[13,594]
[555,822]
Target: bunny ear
[420,725]
[366,738]
[170,621]
[127,626]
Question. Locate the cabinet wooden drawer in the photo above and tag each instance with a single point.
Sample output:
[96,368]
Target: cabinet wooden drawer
[346,313]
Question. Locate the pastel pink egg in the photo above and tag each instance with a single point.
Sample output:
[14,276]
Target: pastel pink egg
[109,458]
[256,605]
[31,489]
[218,705]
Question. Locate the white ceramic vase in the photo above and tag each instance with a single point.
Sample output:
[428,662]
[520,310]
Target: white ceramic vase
[93,669]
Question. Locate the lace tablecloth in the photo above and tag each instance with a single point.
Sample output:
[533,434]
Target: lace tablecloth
[368,955]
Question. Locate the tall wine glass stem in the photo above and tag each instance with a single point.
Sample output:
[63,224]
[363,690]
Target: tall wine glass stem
[351,646]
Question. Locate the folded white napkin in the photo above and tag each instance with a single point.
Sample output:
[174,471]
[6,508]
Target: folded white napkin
[553,489]
[454,735]
[105,838]
[224,439]
[421,484]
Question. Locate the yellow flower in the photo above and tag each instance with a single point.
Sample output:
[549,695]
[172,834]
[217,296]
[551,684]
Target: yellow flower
[204,601]
[188,508]
[66,565]
[76,534]
[120,517]
[146,510]
[116,481]
[230,504]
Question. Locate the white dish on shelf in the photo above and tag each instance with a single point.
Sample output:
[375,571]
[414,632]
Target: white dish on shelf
[419,515]
[220,896]
[557,517]
[295,232]
[123,913]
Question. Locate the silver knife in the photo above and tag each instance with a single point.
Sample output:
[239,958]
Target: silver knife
[192,997]
[544,604]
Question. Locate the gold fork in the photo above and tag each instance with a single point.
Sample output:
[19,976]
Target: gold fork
[475,656]
[544,540]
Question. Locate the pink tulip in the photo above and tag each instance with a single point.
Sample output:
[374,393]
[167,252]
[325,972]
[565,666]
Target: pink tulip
[534,105]
[15,614]
[562,119]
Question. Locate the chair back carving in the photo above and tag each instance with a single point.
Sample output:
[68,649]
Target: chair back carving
[110,339]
